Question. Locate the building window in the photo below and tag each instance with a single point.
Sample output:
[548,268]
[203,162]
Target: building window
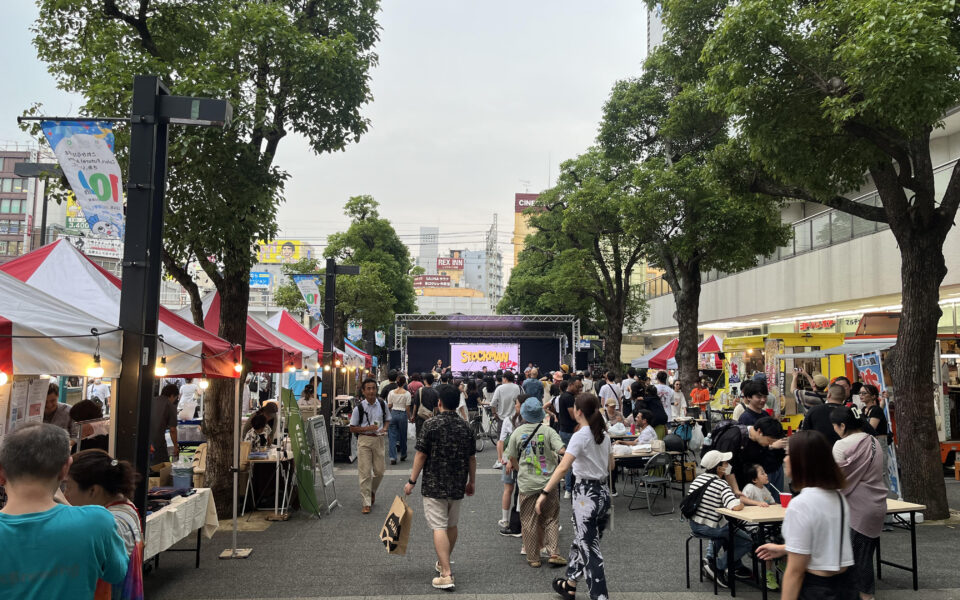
[3,247]
[11,206]
[9,227]
[13,185]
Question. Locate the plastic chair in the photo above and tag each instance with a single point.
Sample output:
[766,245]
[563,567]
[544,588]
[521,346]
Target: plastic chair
[655,478]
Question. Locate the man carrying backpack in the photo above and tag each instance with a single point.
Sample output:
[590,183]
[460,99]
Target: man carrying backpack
[369,423]
[749,445]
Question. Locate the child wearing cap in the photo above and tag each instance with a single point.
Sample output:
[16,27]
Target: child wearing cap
[533,451]
[710,524]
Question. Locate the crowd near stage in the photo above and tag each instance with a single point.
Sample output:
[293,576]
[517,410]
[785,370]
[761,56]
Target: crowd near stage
[463,342]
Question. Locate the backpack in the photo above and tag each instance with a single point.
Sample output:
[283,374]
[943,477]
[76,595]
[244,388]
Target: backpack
[363,411]
[684,431]
[721,428]
[691,502]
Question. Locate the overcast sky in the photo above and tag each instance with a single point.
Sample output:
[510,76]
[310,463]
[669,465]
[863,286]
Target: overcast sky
[473,101]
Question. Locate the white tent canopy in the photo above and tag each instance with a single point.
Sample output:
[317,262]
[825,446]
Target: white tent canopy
[851,347]
[43,322]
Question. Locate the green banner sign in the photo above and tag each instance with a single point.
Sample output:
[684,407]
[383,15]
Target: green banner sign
[301,452]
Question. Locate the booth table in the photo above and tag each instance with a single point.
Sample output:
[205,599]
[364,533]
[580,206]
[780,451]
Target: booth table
[774,513]
[177,520]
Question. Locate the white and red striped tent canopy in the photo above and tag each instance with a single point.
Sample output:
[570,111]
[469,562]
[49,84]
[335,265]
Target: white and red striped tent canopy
[40,334]
[286,324]
[265,349]
[663,357]
[62,271]
[309,356]
[710,345]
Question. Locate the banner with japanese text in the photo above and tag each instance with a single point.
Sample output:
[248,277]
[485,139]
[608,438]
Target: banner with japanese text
[84,150]
[870,367]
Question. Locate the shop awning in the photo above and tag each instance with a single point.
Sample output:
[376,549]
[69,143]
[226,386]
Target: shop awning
[661,358]
[310,355]
[292,328]
[849,347]
[355,356]
[62,271]
[40,334]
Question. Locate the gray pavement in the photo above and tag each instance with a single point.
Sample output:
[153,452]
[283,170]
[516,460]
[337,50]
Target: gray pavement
[341,556]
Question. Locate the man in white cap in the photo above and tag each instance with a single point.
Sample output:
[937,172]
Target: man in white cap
[709,524]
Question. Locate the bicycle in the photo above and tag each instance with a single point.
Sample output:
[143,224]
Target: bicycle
[492,431]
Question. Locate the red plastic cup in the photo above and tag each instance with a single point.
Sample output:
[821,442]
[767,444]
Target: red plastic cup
[785,499]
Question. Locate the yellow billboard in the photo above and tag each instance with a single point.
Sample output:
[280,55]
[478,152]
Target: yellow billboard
[284,251]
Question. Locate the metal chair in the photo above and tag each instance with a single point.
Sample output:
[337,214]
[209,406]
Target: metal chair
[655,478]
[713,560]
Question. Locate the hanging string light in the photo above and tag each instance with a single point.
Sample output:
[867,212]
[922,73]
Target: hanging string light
[238,366]
[3,378]
[204,384]
[96,369]
[161,369]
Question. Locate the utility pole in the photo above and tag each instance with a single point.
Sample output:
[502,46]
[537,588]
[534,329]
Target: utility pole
[329,319]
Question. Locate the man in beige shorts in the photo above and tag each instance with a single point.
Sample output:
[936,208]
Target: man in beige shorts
[446,457]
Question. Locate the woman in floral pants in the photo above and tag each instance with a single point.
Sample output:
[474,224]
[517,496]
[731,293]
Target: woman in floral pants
[588,453]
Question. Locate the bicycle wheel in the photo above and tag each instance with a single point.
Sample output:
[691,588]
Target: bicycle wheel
[478,434]
[494,431]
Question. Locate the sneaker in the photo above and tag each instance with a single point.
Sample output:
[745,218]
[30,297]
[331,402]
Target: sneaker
[443,583]
[501,523]
[437,568]
[742,572]
[772,581]
[566,495]
[614,494]
[506,531]
[497,465]
[707,569]
[722,580]
[523,551]
[393,461]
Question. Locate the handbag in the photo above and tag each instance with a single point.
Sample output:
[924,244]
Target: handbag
[422,411]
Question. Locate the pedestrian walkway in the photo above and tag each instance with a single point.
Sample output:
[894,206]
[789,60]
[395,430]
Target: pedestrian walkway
[340,556]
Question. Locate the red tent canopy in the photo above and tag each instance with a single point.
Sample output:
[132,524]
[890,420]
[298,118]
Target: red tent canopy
[62,271]
[661,358]
[292,328]
[710,345]
[266,352]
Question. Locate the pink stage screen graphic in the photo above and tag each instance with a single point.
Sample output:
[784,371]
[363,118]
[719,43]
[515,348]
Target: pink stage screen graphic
[473,357]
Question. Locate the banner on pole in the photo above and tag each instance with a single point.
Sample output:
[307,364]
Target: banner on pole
[871,372]
[380,338]
[354,330]
[310,290]
[84,150]
[301,452]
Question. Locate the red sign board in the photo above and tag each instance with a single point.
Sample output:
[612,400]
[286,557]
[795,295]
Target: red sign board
[450,264]
[522,202]
[431,281]
[824,324]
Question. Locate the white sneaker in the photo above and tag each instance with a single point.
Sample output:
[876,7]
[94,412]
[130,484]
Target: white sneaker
[523,551]
[566,495]
[502,523]
[498,465]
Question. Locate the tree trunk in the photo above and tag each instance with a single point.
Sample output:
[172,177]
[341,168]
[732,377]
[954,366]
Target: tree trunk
[687,300]
[613,336]
[922,269]
[218,424]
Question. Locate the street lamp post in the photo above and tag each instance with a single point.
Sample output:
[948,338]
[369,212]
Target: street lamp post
[38,170]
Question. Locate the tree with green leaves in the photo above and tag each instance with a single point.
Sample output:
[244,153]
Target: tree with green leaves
[297,66]
[691,222]
[384,286]
[582,255]
[827,97]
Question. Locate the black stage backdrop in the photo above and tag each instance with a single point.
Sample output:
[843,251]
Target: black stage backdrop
[423,352]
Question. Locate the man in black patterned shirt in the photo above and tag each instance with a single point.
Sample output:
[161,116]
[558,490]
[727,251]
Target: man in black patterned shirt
[446,455]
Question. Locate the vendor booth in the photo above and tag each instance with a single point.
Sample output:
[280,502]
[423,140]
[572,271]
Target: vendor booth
[663,357]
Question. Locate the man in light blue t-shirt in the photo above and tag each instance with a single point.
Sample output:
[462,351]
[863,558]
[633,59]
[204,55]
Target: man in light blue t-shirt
[48,550]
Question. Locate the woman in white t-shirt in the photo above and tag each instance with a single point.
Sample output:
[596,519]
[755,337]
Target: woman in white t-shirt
[398,400]
[588,454]
[679,404]
[816,527]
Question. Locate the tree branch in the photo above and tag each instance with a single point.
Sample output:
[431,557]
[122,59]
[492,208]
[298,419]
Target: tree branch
[208,268]
[763,185]
[889,145]
[184,279]
[951,198]
[110,9]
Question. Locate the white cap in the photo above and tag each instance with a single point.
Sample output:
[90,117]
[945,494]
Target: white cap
[715,457]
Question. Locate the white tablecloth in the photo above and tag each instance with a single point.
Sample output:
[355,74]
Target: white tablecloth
[179,519]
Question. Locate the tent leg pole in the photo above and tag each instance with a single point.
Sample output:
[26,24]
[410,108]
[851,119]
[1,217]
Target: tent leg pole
[235,552]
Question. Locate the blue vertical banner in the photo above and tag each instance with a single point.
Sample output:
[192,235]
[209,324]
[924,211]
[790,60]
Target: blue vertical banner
[354,330]
[84,150]
[309,286]
[870,368]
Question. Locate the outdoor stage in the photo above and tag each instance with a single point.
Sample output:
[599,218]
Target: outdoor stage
[547,341]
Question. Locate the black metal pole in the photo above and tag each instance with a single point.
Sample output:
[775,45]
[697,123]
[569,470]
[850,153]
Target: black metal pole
[140,293]
[329,317]
[43,214]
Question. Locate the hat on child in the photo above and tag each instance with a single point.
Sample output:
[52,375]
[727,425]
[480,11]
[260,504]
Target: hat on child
[715,457]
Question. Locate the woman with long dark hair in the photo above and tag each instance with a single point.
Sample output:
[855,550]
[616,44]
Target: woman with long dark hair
[816,527]
[588,454]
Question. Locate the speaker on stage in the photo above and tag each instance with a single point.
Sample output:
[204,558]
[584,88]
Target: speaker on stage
[395,361]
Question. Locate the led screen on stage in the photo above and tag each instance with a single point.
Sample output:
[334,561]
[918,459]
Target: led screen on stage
[473,357]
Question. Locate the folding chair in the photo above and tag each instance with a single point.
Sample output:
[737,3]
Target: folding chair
[655,478]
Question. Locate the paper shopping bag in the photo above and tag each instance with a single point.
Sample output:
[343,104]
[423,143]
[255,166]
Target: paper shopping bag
[396,529]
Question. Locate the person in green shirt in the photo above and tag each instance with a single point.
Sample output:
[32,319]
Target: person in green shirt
[534,451]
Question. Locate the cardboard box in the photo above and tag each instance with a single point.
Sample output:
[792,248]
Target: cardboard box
[163,472]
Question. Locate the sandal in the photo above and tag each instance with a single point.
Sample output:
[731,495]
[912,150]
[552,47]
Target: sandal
[557,560]
[561,587]
[534,563]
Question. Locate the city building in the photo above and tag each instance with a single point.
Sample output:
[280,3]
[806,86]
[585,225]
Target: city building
[521,222]
[429,249]
[18,203]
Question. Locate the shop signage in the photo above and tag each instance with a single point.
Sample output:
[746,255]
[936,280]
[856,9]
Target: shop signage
[96,246]
[260,280]
[431,281]
[817,325]
[522,202]
[303,463]
[450,264]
